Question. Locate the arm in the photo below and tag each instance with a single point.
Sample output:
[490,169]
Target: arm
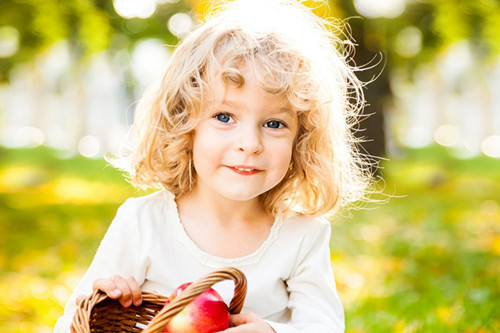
[314,300]
[118,255]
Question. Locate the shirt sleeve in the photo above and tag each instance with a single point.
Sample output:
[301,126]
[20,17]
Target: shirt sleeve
[314,302]
[118,254]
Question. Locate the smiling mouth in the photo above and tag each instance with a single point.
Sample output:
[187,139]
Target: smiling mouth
[244,171]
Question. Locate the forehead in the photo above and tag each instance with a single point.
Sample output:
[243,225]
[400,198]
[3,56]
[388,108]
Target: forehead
[228,85]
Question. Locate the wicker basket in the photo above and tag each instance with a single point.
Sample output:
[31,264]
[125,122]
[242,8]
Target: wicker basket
[101,314]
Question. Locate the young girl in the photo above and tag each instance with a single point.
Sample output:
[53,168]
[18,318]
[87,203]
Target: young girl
[248,134]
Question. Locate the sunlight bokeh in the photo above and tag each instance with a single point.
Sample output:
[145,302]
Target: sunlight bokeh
[424,259]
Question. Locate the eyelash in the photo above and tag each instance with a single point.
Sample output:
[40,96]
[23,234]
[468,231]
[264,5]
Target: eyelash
[280,123]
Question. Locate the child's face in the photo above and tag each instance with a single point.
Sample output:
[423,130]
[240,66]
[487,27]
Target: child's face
[243,147]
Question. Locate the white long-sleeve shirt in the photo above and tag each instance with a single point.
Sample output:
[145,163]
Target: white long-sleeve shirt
[290,280]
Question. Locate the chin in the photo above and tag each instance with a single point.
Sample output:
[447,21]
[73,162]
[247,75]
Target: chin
[238,196]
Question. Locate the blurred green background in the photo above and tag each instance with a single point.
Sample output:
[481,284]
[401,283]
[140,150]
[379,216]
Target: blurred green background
[427,260]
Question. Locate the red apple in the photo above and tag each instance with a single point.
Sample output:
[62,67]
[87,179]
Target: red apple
[208,313]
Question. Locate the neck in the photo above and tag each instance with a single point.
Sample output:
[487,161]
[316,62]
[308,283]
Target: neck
[222,227]
[221,210]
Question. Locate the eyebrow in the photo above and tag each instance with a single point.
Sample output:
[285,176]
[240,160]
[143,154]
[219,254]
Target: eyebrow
[229,103]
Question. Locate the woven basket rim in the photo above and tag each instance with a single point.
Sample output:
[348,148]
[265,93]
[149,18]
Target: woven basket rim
[82,317]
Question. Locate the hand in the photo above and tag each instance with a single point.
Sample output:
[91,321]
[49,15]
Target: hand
[248,323]
[126,290]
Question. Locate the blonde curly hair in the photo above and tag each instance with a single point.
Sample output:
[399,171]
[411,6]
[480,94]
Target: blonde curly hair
[295,55]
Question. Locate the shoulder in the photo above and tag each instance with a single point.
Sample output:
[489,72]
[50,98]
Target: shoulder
[305,241]
[307,225]
[305,231]
[150,203]
[147,211]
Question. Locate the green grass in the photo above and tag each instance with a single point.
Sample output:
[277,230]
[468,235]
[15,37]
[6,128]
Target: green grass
[425,261]
[428,260]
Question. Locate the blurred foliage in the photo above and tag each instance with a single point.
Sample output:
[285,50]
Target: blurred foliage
[89,26]
[426,261]
[440,22]
[93,25]
[428,26]
[54,211]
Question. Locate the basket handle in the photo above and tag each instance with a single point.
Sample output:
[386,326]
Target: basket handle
[195,289]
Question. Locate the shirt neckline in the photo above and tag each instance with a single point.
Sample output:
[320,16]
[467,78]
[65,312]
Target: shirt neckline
[213,260]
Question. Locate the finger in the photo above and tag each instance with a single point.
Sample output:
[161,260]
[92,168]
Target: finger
[80,299]
[135,290]
[235,320]
[108,286]
[242,318]
[116,288]
[248,322]
[126,294]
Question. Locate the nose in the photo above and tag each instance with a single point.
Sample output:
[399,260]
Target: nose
[250,141]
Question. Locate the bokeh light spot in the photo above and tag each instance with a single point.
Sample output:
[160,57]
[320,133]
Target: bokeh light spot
[408,42]
[9,41]
[180,24]
[132,8]
[491,146]
[23,137]
[447,135]
[355,280]
[89,146]
[386,8]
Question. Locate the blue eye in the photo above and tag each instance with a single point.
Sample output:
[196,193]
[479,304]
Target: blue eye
[274,124]
[223,117]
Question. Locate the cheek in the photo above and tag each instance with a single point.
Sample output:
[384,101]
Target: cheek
[282,157]
[206,149]
[200,153]
[199,147]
